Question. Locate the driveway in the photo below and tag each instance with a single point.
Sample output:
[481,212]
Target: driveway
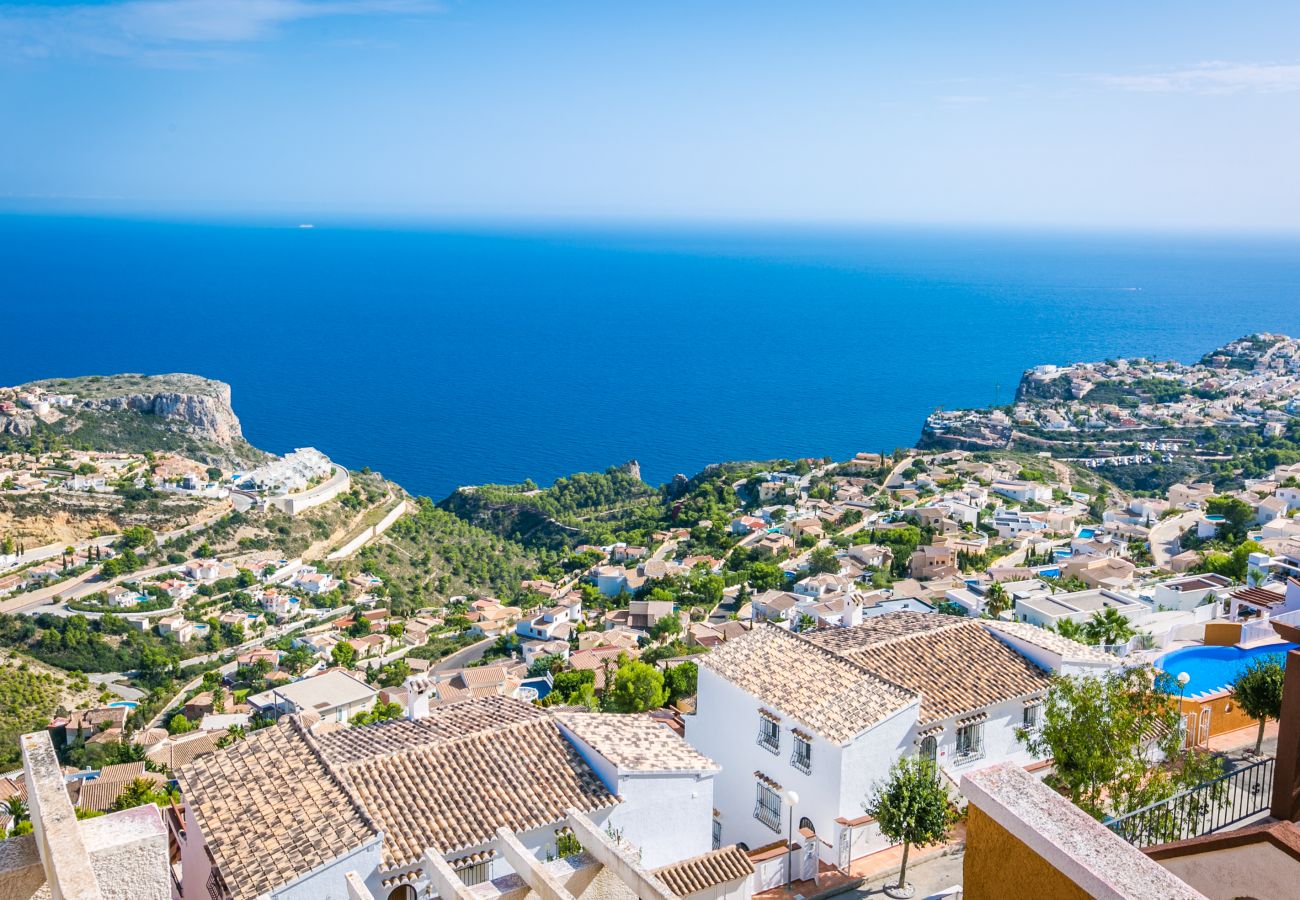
[1164,537]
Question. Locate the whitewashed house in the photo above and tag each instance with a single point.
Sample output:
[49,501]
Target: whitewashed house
[830,710]
[456,794]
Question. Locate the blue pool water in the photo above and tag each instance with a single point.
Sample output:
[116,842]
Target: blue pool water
[129,704]
[1086,533]
[1214,668]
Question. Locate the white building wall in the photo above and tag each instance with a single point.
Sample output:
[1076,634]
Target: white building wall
[667,817]
[327,882]
[725,728]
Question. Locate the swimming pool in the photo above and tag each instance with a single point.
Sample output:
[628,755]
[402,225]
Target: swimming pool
[1087,534]
[1214,668]
[129,704]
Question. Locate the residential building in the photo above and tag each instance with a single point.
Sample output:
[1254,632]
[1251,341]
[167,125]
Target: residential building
[295,811]
[871,556]
[1022,491]
[1047,611]
[830,710]
[1112,573]
[932,562]
[1191,591]
[333,695]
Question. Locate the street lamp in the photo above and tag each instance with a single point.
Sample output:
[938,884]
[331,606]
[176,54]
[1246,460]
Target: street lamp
[1182,680]
[790,798]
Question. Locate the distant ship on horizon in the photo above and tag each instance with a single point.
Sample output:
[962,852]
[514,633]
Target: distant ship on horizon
[306,225]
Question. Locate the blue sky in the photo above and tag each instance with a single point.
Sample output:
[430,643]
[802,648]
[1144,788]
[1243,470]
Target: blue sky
[1098,114]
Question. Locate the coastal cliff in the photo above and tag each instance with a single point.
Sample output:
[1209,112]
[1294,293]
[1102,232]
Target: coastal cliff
[179,412]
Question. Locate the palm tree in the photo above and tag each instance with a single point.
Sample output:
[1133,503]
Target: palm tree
[16,807]
[996,600]
[1108,626]
[1068,628]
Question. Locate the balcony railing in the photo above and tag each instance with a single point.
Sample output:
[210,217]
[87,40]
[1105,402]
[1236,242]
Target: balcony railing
[768,815]
[801,759]
[1208,807]
[769,742]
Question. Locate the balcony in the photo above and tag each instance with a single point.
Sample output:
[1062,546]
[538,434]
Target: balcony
[801,759]
[768,815]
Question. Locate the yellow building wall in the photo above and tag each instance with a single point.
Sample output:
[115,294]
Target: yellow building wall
[1222,634]
[999,865]
[1225,714]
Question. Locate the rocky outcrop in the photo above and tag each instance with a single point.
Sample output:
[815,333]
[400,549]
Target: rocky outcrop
[210,417]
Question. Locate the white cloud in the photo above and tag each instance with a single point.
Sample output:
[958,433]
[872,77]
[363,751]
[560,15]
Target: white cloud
[1211,78]
[170,30]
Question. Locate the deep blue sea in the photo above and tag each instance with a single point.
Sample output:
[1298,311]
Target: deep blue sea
[444,357]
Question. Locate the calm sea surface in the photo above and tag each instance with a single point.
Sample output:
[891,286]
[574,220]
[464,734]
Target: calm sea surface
[443,358]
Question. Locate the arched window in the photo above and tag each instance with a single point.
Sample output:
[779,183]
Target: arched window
[403,892]
[930,749]
[806,822]
[742,846]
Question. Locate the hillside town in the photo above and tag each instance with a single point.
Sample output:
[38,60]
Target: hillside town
[1249,383]
[716,690]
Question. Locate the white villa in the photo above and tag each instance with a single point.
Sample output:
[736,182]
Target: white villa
[830,710]
[451,796]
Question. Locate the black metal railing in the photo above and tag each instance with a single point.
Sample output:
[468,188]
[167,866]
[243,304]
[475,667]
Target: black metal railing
[770,741]
[1226,800]
[801,759]
[768,815]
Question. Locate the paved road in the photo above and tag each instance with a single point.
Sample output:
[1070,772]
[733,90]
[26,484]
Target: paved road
[1164,536]
[464,657]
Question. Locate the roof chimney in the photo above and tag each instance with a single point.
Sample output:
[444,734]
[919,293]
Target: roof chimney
[418,688]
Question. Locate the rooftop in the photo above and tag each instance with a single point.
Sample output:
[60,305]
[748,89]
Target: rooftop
[699,873]
[287,800]
[831,695]
[635,743]
[270,808]
[955,664]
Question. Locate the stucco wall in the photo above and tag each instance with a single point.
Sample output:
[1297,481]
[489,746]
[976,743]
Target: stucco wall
[1222,634]
[327,882]
[998,865]
[127,850]
[1225,714]
[1255,870]
[725,728]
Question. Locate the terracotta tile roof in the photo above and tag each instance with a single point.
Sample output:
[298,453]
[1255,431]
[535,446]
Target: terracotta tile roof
[175,753]
[445,723]
[699,873]
[831,695]
[1050,640]
[452,795]
[288,799]
[102,792]
[270,809]
[636,743]
[955,664]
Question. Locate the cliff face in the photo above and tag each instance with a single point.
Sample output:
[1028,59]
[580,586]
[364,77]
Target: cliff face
[178,412]
[209,417]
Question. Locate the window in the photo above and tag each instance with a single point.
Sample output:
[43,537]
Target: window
[930,749]
[768,807]
[1033,716]
[970,742]
[802,757]
[717,834]
[769,734]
